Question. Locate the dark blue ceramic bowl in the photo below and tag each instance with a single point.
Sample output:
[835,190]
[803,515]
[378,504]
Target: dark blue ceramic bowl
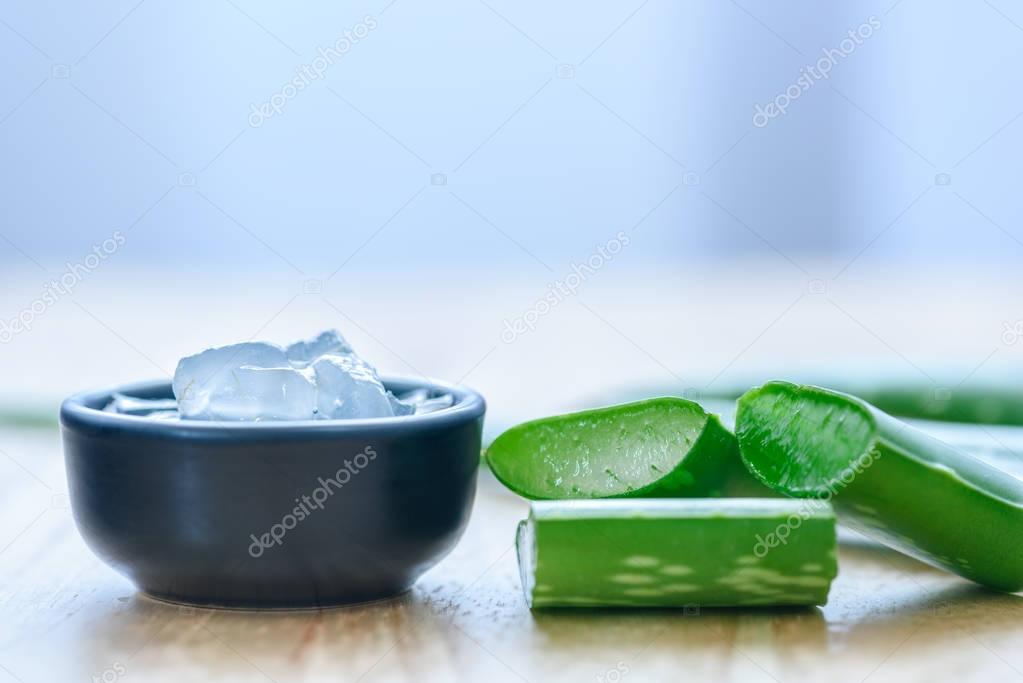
[272,514]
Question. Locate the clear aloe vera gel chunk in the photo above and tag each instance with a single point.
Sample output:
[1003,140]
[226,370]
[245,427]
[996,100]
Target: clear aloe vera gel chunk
[677,553]
[651,448]
[891,482]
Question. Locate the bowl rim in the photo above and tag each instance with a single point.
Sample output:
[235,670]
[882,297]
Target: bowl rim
[79,411]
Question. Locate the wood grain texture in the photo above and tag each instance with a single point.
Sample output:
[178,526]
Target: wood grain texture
[66,616]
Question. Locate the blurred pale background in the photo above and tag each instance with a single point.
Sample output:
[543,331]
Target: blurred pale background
[460,158]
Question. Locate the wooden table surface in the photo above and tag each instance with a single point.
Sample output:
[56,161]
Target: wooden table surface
[66,616]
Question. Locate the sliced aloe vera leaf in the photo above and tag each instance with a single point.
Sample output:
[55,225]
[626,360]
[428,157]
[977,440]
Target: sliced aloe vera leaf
[680,552]
[657,447]
[891,482]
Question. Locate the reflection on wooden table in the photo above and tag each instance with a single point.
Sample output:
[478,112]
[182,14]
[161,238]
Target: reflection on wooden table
[66,616]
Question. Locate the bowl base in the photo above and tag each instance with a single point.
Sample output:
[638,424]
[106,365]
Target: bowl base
[265,606]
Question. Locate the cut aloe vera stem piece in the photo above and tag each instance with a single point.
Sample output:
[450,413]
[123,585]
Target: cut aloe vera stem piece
[886,479]
[656,447]
[969,405]
[677,553]
[977,402]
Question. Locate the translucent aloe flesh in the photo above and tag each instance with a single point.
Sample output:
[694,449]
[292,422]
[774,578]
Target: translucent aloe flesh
[677,553]
[657,447]
[886,479]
